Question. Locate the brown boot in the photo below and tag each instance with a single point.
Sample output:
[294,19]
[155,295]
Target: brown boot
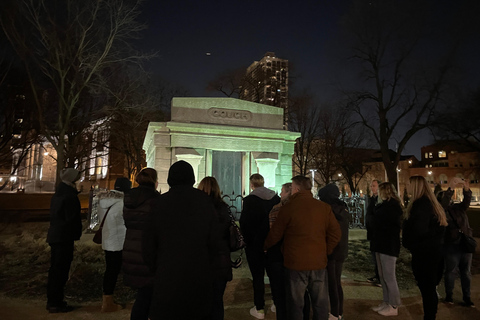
[108,305]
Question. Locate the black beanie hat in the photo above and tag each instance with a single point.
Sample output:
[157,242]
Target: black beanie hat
[329,193]
[122,184]
[181,174]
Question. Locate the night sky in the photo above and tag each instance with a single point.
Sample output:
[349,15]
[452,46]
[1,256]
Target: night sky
[236,33]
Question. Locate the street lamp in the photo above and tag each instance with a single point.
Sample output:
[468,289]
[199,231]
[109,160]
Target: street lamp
[312,172]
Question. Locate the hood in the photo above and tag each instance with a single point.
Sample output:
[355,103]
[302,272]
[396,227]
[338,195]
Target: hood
[137,196]
[263,193]
[109,198]
[329,193]
[181,174]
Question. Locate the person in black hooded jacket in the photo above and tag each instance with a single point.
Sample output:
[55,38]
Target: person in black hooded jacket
[138,204]
[330,194]
[179,244]
[65,228]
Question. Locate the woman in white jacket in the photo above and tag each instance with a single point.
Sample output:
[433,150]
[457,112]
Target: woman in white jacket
[113,236]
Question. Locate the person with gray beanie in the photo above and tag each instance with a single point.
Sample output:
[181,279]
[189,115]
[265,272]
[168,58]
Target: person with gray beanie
[65,228]
[179,244]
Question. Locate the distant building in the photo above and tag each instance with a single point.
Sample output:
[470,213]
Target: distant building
[445,160]
[266,82]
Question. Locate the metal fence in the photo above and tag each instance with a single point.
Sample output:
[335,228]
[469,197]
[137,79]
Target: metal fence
[357,208]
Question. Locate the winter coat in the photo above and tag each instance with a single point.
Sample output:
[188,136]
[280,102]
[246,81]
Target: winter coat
[179,245]
[254,221]
[422,233]
[372,201]
[457,220]
[340,210]
[65,218]
[114,230]
[329,194]
[386,221]
[222,265]
[309,230]
[138,205]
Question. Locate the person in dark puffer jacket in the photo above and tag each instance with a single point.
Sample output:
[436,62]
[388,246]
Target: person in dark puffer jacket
[65,228]
[138,205]
[330,194]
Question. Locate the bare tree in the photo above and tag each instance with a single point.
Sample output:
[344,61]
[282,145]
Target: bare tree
[67,48]
[304,118]
[461,122]
[400,88]
[17,125]
[229,83]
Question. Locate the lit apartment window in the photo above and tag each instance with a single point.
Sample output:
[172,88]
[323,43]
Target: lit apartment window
[426,155]
[430,155]
[442,154]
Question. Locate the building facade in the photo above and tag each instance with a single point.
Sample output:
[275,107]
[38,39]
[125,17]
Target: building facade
[226,138]
[266,82]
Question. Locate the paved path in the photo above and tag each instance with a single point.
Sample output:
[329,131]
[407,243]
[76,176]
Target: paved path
[359,298]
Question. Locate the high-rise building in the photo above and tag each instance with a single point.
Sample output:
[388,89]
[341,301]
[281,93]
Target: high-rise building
[266,82]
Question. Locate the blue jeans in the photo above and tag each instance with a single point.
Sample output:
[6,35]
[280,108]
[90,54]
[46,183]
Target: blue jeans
[316,283]
[463,261]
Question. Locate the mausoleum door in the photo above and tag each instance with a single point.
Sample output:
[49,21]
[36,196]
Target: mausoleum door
[227,169]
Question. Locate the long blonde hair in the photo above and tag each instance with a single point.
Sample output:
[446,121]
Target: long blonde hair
[387,191]
[420,188]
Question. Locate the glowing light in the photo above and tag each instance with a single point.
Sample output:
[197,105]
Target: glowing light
[429,172]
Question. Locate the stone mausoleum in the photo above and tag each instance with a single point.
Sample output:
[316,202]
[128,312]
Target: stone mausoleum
[226,138]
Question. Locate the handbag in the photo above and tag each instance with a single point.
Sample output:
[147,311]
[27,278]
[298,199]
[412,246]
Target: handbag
[468,243]
[97,238]
[236,238]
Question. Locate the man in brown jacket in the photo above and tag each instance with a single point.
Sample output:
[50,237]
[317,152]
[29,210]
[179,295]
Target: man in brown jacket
[310,232]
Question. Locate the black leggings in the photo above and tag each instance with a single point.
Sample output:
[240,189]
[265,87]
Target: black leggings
[113,261]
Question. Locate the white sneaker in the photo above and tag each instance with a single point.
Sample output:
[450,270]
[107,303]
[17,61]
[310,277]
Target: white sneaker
[273,308]
[332,317]
[380,306]
[389,311]
[259,314]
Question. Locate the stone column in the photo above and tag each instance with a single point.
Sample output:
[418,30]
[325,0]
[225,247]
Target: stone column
[267,168]
[194,161]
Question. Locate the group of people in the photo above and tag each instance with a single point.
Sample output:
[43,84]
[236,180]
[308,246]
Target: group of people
[430,227]
[301,243]
[174,248]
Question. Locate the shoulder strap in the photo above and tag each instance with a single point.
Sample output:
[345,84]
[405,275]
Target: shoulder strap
[103,220]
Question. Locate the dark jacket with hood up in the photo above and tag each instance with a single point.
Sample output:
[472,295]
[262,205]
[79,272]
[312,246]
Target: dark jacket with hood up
[138,205]
[254,221]
[179,245]
[330,194]
[65,219]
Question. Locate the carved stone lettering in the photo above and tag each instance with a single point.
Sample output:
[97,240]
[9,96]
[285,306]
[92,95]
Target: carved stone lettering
[228,114]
